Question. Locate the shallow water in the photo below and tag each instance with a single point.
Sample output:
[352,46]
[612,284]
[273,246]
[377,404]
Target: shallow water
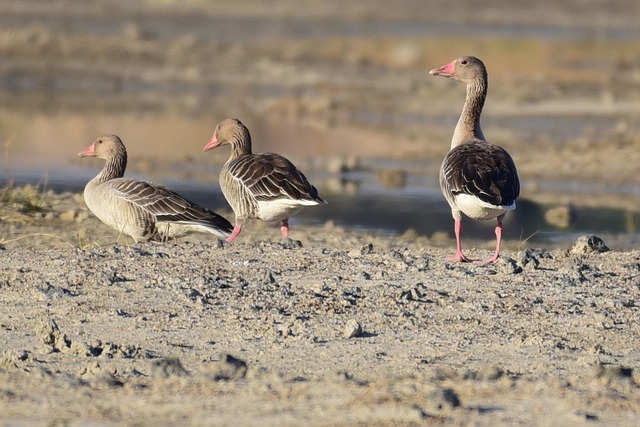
[359,200]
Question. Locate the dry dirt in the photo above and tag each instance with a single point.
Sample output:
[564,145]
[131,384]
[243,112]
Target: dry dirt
[338,327]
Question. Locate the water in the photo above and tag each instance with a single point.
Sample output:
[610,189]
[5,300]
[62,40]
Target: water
[358,200]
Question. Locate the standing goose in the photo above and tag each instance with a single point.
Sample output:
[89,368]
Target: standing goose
[478,179]
[265,186]
[140,209]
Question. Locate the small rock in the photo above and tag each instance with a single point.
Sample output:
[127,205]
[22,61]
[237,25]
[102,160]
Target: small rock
[589,243]
[408,295]
[229,368]
[91,369]
[268,277]
[573,271]
[489,373]
[290,244]
[584,415]
[532,257]
[367,249]
[169,367]
[51,336]
[99,375]
[443,400]
[79,349]
[352,329]
[10,359]
[417,413]
[363,275]
[422,264]
[509,266]
[607,374]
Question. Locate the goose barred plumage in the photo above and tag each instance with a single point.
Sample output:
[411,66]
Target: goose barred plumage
[265,186]
[140,209]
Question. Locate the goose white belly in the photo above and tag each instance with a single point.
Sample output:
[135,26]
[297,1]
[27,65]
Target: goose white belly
[279,209]
[475,208]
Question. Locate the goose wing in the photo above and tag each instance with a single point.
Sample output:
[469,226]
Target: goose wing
[269,176]
[483,170]
[166,205]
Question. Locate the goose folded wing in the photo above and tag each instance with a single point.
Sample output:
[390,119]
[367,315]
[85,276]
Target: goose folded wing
[270,176]
[485,171]
[159,201]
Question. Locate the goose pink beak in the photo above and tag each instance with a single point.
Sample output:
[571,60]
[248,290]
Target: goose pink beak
[448,70]
[213,143]
[90,151]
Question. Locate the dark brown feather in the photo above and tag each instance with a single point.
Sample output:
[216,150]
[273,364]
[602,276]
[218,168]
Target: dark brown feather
[269,176]
[483,170]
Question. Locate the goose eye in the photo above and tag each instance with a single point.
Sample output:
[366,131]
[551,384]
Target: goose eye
[463,62]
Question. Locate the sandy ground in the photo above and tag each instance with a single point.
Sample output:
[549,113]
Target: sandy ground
[339,326]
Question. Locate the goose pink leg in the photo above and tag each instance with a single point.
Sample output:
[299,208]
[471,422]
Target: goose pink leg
[285,228]
[496,254]
[459,256]
[236,230]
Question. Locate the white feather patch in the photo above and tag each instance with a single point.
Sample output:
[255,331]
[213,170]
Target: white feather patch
[475,208]
[277,210]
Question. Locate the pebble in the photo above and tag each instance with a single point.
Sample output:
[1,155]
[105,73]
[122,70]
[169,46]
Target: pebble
[442,400]
[365,250]
[487,373]
[509,266]
[229,368]
[352,329]
[531,257]
[290,244]
[168,367]
[607,374]
[589,243]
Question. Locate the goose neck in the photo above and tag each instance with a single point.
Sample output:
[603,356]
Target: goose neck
[114,168]
[468,127]
[241,145]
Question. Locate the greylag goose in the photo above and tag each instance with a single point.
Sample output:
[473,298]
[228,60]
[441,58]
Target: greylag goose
[140,209]
[265,186]
[478,179]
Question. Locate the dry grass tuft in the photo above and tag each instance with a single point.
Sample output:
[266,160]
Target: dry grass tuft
[23,204]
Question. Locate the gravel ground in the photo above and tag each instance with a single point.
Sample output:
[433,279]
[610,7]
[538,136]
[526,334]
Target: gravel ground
[339,327]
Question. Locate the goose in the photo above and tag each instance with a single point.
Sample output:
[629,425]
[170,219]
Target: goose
[144,211]
[265,186]
[479,179]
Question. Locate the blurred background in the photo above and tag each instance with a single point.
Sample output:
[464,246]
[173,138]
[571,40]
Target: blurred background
[342,89]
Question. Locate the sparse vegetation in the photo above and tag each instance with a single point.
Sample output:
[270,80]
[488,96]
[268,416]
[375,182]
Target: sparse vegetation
[19,204]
